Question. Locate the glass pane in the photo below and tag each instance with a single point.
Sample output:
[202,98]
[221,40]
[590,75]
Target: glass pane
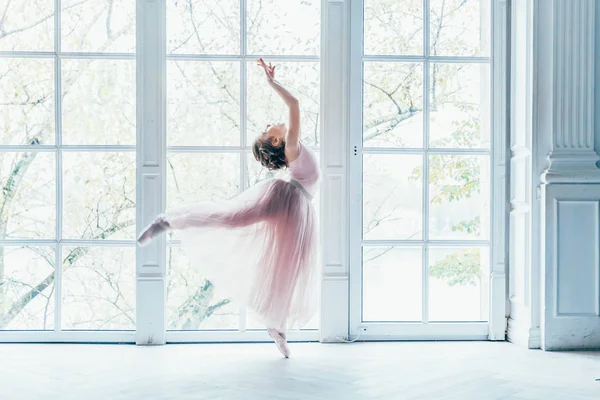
[393,27]
[460,27]
[459,197]
[393,105]
[392,196]
[99,195]
[459,284]
[253,323]
[266,107]
[284,27]
[203,103]
[198,177]
[392,284]
[28,196]
[27,25]
[203,26]
[26,101]
[98,102]
[315,322]
[460,105]
[98,26]
[98,288]
[193,302]
[26,288]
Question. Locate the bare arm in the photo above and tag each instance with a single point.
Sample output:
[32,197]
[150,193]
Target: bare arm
[293,134]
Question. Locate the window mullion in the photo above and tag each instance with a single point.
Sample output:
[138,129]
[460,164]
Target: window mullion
[58,166]
[243,91]
[425,200]
[151,280]
[27,54]
[98,56]
[237,57]
[243,123]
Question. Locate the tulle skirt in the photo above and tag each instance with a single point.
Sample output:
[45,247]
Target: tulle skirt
[258,249]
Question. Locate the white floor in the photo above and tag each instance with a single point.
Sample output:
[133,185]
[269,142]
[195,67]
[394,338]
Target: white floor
[458,371]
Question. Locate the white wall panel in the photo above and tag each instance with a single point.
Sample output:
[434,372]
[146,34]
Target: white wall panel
[576,258]
[572,267]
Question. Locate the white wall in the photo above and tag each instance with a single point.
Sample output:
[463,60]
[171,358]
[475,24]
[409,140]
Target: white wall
[555,289]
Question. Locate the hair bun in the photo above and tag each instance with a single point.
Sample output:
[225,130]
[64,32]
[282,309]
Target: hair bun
[270,156]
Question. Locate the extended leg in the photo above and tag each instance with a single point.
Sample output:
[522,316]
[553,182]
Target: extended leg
[199,216]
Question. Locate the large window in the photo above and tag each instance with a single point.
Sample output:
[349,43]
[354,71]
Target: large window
[217,103]
[67,166]
[68,142]
[85,97]
[421,254]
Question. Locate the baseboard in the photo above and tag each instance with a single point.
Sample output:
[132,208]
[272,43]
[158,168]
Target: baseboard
[522,335]
[336,339]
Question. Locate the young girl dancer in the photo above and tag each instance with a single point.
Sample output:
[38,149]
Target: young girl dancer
[262,245]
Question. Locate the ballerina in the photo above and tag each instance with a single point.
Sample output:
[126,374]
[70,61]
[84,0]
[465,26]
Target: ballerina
[262,245]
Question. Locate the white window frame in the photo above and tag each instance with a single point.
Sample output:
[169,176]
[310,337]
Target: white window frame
[151,153]
[495,328]
[151,174]
[340,33]
[57,334]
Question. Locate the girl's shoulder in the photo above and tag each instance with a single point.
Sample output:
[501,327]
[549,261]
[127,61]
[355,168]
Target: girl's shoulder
[294,153]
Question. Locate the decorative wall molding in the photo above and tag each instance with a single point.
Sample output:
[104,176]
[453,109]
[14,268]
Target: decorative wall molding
[571,271]
[552,142]
[524,337]
[522,289]
[528,338]
[500,126]
[564,272]
[572,157]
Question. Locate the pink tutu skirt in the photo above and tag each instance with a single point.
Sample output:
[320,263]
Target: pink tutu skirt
[258,249]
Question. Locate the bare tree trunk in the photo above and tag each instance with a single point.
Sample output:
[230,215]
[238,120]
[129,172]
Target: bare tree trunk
[10,190]
[2,284]
[20,304]
[77,253]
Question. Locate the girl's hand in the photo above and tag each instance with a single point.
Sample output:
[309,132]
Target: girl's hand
[269,69]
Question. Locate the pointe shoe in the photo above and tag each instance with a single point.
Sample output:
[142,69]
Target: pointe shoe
[280,341]
[159,226]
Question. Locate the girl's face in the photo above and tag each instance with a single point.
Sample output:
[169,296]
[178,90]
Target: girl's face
[276,133]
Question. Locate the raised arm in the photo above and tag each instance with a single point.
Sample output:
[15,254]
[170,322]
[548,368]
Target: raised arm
[293,134]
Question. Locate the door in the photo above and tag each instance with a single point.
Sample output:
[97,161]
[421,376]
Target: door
[422,169]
